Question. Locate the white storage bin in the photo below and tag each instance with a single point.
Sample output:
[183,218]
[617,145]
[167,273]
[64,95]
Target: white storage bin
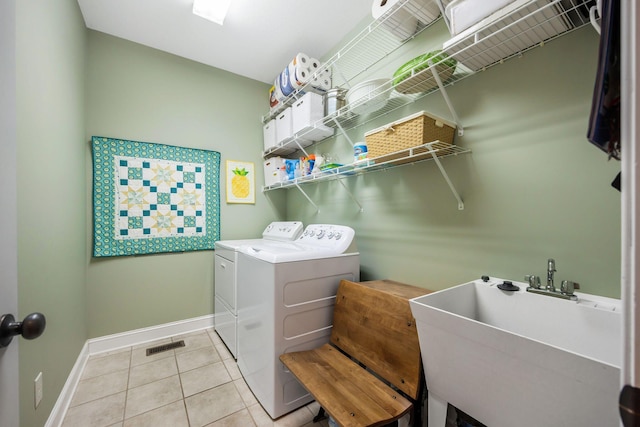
[464,13]
[426,11]
[403,23]
[284,125]
[269,134]
[306,111]
[533,21]
[272,167]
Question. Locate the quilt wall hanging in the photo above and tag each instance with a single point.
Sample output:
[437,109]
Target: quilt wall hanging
[153,198]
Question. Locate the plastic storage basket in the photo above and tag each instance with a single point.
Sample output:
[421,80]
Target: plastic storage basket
[395,139]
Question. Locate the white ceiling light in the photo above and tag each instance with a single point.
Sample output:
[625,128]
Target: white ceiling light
[213,10]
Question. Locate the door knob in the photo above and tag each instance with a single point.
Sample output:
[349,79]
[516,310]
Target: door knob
[30,328]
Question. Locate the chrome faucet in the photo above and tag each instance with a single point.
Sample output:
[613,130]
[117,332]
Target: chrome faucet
[534,281]
[566,290]
[551,268]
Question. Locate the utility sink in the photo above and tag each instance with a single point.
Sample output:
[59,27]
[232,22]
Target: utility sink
[515,358]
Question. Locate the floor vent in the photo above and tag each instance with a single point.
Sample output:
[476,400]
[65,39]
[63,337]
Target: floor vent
[164,347]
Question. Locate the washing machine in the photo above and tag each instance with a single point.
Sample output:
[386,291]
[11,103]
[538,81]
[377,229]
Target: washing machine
[226,253]
[286,294]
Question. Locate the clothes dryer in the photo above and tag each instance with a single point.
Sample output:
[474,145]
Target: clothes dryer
[286,294]
[225,300]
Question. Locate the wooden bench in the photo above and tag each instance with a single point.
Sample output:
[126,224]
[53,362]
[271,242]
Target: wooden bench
[373,330]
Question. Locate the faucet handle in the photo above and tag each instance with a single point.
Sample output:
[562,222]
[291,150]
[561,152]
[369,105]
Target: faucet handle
[534,281]
[567,287]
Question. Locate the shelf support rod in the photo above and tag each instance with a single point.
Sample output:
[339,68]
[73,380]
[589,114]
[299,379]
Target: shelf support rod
[335,120]
[307,196]
[444,15]
[443,91]
[446,178]
[351,195]
[300,147]
[337,70]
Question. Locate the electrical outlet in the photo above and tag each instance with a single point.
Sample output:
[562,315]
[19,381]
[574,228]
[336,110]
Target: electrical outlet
[38,389]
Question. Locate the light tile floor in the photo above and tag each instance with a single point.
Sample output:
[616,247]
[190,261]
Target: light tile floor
[192,386]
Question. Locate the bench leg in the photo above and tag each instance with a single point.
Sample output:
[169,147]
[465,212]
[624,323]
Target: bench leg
[437,411]
[419,409]
[320,416]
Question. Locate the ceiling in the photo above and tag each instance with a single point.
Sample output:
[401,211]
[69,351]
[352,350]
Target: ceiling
[258,38]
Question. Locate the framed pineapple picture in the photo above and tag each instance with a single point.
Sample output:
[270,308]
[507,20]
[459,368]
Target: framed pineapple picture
[241,187]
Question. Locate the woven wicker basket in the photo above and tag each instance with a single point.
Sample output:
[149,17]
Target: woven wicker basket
[388,142]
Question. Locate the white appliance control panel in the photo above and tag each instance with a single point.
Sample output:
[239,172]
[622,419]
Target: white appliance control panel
[337,238]
[283,230]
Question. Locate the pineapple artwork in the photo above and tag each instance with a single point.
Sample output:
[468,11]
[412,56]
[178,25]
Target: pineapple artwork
[240,182]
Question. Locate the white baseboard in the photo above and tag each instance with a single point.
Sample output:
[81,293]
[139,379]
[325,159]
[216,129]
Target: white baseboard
[140,336]
[64,399]
[115,342]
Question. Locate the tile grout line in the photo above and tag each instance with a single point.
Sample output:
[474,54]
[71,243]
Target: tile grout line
[161,379]
[228,367]
[97,398]
[184,399]
[126,392]
[255,423]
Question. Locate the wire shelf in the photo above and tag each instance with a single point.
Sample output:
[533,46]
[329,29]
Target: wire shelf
[520,26]
[370,46]
[420,153]
[523,25]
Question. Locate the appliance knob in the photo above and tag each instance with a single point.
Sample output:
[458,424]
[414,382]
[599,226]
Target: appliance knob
[330,235]
[338,235]
[320,234]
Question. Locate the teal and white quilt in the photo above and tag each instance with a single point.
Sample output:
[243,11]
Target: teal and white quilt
[152,198]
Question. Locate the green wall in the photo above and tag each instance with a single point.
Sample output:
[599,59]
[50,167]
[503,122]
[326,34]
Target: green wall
[134,92]
[50,50]
[533,187]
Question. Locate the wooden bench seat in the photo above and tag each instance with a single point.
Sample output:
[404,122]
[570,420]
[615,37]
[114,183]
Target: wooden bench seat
[370,374]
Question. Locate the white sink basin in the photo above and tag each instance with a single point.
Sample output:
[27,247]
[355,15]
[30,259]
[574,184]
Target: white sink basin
[518,358]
